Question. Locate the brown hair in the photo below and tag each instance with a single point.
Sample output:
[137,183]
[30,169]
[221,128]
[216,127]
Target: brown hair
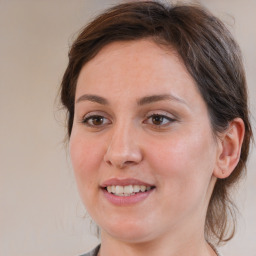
[211,56]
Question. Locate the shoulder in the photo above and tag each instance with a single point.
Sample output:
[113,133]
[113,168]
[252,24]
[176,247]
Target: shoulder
[94,252]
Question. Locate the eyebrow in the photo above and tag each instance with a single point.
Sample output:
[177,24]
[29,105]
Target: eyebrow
[155,98]
[93,98]
[140,102]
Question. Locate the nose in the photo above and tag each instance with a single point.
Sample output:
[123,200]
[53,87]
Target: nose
[123,149]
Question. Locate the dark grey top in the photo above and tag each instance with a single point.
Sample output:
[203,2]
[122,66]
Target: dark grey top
[94,252]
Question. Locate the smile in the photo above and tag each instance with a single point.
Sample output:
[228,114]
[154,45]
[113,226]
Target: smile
[127,190]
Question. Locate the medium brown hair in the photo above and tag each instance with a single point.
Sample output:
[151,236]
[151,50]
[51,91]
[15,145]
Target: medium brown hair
[211,56]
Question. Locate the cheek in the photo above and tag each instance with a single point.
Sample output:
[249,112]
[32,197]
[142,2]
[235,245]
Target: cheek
[86,159]
[85,151]
[183,170]
[186,160]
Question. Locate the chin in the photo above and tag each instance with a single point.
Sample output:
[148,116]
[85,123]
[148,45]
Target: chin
[131,236]
[129,231]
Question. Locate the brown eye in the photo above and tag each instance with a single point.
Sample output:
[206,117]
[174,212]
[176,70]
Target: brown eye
[160,121]
[95,120]
[157,119]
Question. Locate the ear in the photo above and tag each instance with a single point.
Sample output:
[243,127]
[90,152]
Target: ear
[229,149]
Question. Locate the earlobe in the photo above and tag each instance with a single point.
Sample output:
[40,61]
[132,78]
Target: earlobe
[229,149]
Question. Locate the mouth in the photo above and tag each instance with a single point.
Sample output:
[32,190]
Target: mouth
[128,190]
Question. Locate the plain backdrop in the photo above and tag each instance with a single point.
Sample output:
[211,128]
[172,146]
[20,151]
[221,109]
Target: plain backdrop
[40,210]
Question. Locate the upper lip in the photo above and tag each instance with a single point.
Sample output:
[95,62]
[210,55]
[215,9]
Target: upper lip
[124,182]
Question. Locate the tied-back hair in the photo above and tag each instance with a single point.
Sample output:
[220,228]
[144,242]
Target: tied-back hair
[211,56]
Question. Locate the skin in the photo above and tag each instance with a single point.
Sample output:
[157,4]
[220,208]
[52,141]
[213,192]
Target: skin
[179,156]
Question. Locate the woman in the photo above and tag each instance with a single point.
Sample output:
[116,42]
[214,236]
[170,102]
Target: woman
[158,128]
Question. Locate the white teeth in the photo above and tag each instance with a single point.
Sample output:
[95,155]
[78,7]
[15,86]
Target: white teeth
[119,189]
[127,190]
[143,188]
[113,188]
[136,188]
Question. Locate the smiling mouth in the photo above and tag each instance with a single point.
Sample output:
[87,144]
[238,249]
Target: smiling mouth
[128,190]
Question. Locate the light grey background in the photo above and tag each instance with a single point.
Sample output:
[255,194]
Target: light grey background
[40,210]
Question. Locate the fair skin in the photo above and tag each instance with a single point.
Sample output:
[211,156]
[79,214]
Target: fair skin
[140,120]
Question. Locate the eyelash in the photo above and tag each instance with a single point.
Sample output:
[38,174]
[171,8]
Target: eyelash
[162,117]
[164,120]
[91,118]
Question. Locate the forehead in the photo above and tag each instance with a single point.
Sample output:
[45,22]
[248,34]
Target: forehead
[136,67]
[145,53]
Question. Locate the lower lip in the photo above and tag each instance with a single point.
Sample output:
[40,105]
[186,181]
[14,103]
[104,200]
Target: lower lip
[126,200]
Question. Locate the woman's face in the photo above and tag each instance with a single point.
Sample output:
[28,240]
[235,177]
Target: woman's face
[141,146]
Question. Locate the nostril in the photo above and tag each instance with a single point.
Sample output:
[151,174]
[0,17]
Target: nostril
[108,162]
[122,157]
[120,164]
[128,163]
